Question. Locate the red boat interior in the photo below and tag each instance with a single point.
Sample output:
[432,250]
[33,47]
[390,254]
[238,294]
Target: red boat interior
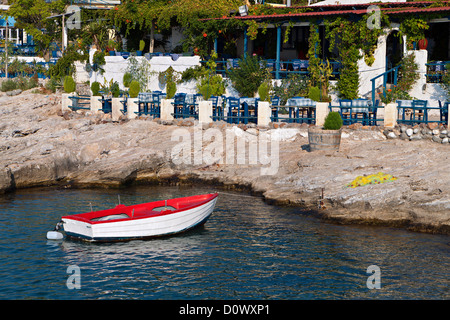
[144,210]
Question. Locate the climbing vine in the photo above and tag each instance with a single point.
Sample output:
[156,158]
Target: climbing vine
[356,41]
[314,48]
[414,30]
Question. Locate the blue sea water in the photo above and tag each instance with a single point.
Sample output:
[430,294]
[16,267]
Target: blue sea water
[246,250]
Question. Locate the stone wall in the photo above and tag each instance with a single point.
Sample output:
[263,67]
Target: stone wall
[432,131]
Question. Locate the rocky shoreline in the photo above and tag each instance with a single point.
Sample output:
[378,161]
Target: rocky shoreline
[41,146]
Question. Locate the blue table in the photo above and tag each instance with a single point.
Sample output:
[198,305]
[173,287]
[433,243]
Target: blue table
[301,109]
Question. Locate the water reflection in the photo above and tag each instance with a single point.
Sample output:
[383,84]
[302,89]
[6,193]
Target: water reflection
[247,250]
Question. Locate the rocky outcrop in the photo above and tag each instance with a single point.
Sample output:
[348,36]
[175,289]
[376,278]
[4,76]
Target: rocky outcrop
[41,146]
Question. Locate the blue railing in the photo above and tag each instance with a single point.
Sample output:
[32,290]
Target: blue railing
[391,72]
[435,71]
[294,66]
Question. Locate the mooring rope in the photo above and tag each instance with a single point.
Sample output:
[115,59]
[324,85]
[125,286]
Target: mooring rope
[236,195]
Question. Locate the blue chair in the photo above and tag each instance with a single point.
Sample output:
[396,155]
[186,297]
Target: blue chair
[373,113]
[234,110]
[403,110]
[215,101]
[275,101]
[296,65]
[192,107]
[420,111]
[304,64]
[360,107]
[345,110]
[443,111]
[179,104]
[155,105]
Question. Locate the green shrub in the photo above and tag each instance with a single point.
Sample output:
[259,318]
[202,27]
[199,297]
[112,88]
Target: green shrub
[65,66]
[295,85]
[214,86]
[127,78]
[314,93]
[24,83]
[115,90]
[263,91]
[169,77]
[134,89]
[193,73]
[53,83]
[69,84]
[95,88]
[248,77]
[141,45]
[333,121]
[8,85]
[171,89]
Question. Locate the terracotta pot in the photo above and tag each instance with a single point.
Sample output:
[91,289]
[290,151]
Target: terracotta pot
[423,44]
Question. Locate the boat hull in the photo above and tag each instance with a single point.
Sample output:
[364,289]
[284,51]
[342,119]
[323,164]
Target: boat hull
[141,227]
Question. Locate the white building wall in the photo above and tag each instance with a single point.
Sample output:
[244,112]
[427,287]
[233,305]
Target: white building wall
[116,67]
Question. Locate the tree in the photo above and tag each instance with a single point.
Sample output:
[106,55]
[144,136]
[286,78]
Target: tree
[33,17]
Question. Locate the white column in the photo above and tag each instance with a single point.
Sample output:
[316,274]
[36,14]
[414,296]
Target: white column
[96,104]
[167,109]
[264,113]
[66,101]
[322,111]
[390,115]
[116,106]
[205,111]
[132,107]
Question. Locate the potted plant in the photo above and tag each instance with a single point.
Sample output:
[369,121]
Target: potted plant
[264,109]
[96,103]
[127,78]
[327,137]
[111,48]
[135,88]
[423,44]
[169,78]
[69,91]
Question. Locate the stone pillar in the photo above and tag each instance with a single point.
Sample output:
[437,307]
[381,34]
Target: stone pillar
[167,109]
[205,111]
[96,104]
[264,113]
[66,102]
[116,106]
[390,115]
[322,111]
[132,107]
